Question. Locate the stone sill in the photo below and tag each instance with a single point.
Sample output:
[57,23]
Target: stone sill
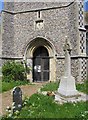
[82,29]
[73,57]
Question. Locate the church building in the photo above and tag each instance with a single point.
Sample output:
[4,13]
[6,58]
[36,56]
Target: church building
[35,32]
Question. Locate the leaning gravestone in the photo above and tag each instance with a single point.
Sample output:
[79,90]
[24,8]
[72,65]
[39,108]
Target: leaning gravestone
[17,98]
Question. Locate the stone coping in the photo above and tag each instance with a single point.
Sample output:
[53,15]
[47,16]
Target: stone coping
[58,57]
[40,9]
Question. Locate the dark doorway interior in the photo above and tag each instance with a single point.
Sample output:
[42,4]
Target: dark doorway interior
[40,64]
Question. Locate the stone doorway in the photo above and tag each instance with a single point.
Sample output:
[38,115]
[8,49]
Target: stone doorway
[40,56]
[40,64]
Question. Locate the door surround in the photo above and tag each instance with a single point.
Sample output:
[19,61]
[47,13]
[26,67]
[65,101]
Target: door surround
[32,46]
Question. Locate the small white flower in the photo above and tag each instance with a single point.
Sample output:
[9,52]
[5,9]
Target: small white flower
[9,111]
[25,103]
[19,105]
[38,98]
[6,110]
[33,104]
[39,90]
[74,104]
[13,107]
[10,115]
[8,107]
[83,115]
[13,103]
[44,93]
[86,111]
[16,112]
[26,100]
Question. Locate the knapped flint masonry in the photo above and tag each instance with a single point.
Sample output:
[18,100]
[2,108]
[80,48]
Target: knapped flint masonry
[36,32]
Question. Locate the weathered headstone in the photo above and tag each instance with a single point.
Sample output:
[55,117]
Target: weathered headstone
[17,98]
[67,86]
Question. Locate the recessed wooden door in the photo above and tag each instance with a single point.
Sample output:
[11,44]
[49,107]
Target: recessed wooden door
[41,64]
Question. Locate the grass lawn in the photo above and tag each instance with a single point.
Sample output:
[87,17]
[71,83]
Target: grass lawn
[40,106]
[53,86]
[83,87]
[9,85]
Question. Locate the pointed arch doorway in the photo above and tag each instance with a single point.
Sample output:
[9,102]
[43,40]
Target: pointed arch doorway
[40,57]
[40,64]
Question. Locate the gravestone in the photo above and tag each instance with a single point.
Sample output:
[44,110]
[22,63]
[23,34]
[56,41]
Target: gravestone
[67,87]
[17,98]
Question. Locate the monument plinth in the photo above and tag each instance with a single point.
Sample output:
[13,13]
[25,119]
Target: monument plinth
[67,87]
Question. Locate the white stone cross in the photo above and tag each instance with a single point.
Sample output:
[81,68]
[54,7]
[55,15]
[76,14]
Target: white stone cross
[67,85]
[67,49]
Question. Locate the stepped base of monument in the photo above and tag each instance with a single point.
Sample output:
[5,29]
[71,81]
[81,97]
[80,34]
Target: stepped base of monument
[67,86]
[73,98]
[76,94]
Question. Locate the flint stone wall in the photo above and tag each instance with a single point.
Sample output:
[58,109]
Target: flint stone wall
[19,29]
[74,68]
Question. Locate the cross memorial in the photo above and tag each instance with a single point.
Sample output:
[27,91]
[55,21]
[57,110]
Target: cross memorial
[67,85]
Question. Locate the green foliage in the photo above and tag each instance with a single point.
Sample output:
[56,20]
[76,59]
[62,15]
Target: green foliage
[27,68]
[13,71]
[40,106]
[83,87]
[52,86]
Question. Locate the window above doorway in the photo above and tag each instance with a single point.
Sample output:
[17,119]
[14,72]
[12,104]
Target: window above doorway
[39,23]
